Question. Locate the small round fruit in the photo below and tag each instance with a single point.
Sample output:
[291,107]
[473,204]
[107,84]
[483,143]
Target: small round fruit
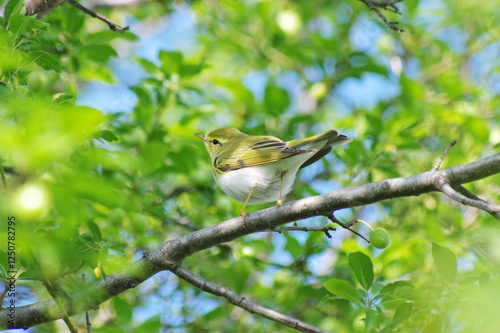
[139,223]
[117,216]
[37,81]
[380,238]
[318,90]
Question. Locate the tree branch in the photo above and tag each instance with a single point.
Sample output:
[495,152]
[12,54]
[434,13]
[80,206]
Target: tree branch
[295,227]
[241,301]
[346,226]
[443,155]
[389,5]
[173,252]
[41,7]
[113,26]
[473,202]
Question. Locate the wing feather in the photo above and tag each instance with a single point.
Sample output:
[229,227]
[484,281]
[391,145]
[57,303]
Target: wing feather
[267,150]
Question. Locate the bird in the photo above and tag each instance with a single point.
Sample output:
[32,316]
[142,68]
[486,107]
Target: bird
[254,169]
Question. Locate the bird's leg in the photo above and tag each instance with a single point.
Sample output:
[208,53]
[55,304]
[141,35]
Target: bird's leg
[242,210]
[281,200]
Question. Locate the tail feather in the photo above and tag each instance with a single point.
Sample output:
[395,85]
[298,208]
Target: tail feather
[334,139]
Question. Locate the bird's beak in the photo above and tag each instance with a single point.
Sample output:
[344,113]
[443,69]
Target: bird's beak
[201,136]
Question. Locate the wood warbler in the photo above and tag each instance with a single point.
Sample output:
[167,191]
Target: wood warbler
[254,169]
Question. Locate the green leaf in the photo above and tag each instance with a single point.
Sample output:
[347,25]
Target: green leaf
[13,7]
[97,71]
[94,231]
[215,314]
[99,52]
[87,242]
[30,274]
[22,24]
[123,309]
[152,324]
[170,61]
[293,246]
[74,20]
[342,289]
[148,66]
[106,135]
[371,320]
[46,61]
[276,100]
[403,310]
[61,98]
[390,289]
[117,248]
[362,267]
[401,314]
[144,108]
[106,36]
[3,263]
[446,261]
[191,70]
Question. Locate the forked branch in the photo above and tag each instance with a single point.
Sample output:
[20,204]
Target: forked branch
[171,254]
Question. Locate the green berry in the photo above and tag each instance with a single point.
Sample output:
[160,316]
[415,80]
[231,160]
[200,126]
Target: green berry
[37,81]
[380,238]
[139,223]
[117,216]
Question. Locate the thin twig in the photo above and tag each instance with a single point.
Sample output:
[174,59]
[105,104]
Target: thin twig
[386,5]
[73,270]
[113,26]
[465,192]
[295,227]
[4,292]
[447,189]
[55,291]
[87,319]
[347,226]
[443,155]
[241,301]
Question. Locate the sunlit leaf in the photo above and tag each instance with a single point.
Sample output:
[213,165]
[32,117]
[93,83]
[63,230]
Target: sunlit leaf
[362,267]
[342,289]
[171,61]
[445,261]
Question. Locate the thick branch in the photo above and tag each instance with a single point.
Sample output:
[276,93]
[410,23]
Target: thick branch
[241,301]
[175,251]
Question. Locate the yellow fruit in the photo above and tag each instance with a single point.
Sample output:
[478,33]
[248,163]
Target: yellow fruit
[318,90]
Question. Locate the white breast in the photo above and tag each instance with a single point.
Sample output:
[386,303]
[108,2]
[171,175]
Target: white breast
[266,178]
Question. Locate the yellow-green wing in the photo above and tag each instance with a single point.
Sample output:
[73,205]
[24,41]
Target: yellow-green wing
[267,150]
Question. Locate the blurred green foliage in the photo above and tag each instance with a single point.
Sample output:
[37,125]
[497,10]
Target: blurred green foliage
[92,189]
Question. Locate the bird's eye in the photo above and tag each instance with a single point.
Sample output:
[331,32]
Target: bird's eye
[215,142]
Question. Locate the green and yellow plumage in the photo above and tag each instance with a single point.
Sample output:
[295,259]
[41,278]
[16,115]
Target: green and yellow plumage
[255,169]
